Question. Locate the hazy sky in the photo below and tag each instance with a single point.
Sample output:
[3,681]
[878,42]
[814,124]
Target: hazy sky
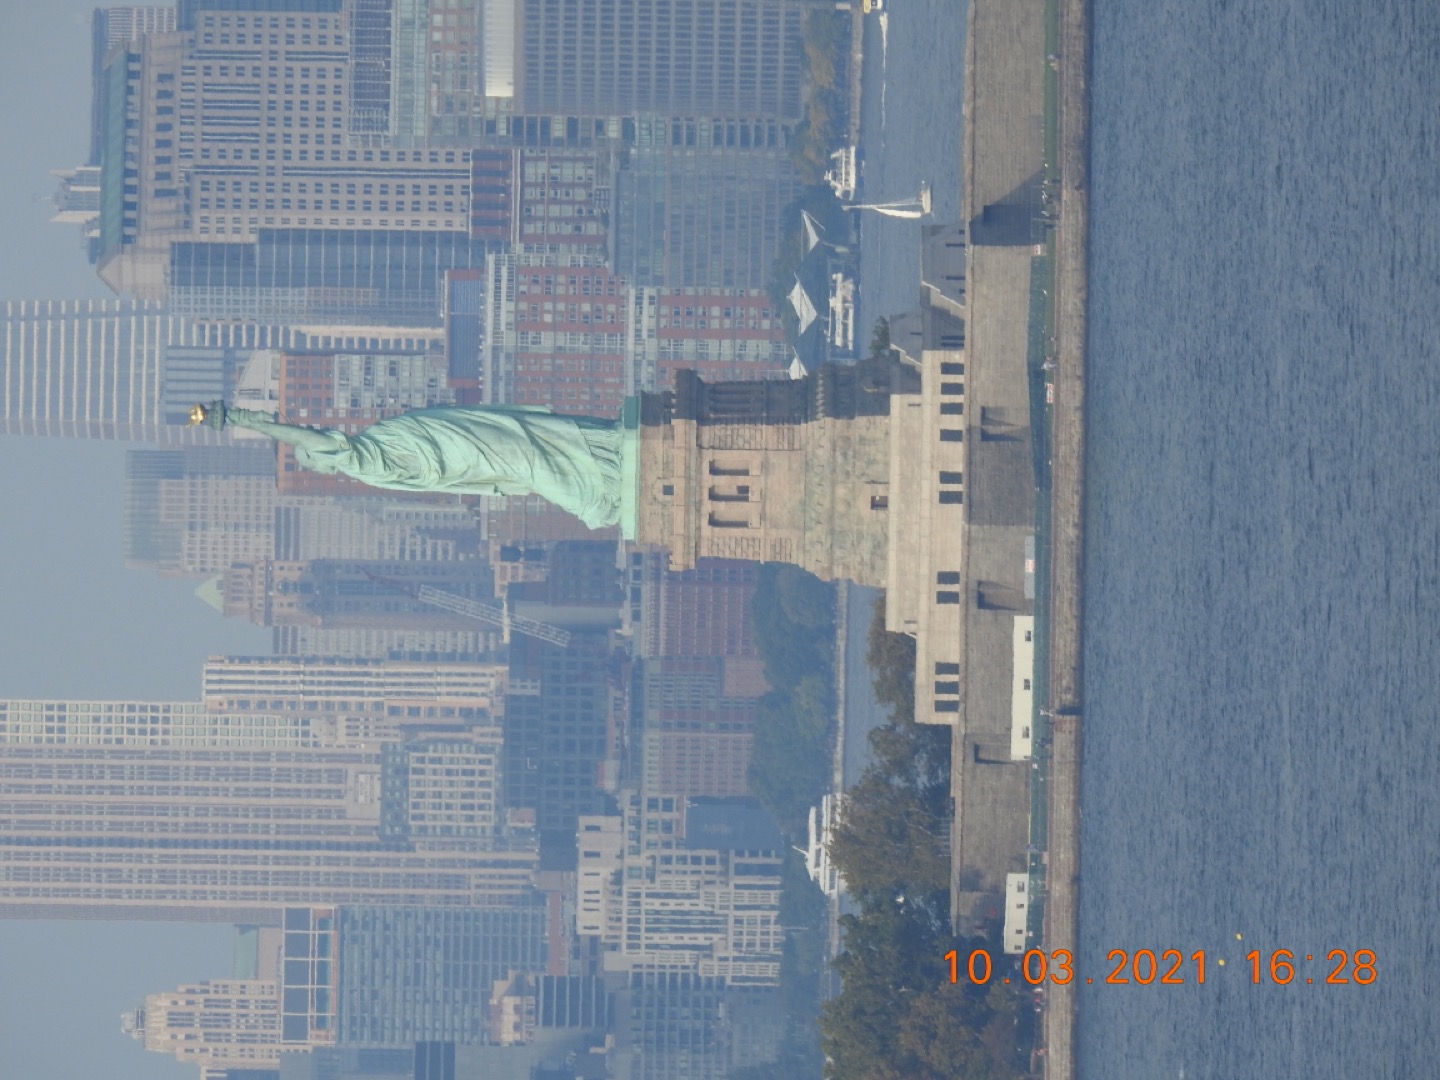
[73,621]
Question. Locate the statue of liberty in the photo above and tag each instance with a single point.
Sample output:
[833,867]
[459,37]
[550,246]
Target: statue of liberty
[573,461]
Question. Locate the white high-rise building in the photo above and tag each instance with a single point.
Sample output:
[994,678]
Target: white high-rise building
[96,368]
[166,810]
[87,368]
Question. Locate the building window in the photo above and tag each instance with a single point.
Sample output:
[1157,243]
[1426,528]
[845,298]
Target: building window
[954,389]
[947,597]
[718,521]
[947,667]
[947,706]
[952,408]
[947,688]
[740,494]
[948,577]
[954,498]
[952,435]
[1025,684]
[951,477]
[951,368]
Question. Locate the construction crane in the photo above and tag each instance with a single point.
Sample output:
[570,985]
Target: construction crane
[501,616]
[473,609]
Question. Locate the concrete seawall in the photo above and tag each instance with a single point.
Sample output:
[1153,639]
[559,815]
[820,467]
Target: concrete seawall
[1068,456]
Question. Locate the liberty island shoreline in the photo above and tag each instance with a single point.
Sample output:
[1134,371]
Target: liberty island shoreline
[1021,203]
[1068,537]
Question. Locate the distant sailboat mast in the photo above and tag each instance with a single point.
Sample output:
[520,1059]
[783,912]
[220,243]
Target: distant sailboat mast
[914,208]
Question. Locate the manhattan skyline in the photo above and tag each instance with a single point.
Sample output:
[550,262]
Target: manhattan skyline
[68,593]
[67,590]
[75,637]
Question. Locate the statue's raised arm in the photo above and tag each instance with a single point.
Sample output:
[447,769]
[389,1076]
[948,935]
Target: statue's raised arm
[573,461]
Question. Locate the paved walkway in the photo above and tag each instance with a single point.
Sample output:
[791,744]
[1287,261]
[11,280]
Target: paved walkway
[1068,456]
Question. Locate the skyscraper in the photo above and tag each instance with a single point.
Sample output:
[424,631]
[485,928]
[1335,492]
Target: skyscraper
[671,885]
[557,334]
[117,369]
[354,977]
[451,958]
[239,182]
[327,684]
[674,1024]
[217,1023]
[558,729]
[710,58]
[110,814]
[178,500]
[88,368]
[387,643]
[369,594]
[693,213]
[698,727]
[109,26]
[724,335]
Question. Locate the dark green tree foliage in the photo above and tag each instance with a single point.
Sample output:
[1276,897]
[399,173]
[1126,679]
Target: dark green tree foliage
[892,667]
[827,55]
[889,841]
[790,764]
[880,339]
[792,649]
[898,1016]
[790,767]
[807,601]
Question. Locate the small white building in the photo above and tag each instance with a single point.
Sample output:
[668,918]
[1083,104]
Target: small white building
[1017,911]
[1022,694]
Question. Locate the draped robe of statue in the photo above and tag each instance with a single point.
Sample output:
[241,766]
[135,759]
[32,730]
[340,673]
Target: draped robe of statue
[573,461]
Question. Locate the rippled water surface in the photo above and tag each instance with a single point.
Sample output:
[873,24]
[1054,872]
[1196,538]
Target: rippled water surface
[1261,751]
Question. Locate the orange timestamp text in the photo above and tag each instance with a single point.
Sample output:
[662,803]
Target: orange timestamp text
[1171,967]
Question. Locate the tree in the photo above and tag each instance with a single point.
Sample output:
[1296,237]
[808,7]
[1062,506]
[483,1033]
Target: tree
[892,952]
[898,1014]
[805,599]
[941,1035]
[792,649]
[812,708]
[892,667]
[880,339]
[889,841]
[822,64]
[789,760]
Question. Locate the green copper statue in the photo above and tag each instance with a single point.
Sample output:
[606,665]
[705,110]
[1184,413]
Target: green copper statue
[573,461]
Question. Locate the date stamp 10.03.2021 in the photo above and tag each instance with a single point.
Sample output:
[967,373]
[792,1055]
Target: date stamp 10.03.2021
[1172,967]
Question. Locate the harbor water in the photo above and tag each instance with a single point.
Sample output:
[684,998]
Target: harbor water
[1263,557]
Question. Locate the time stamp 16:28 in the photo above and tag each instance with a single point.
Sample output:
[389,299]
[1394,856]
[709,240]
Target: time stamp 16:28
[1171,967]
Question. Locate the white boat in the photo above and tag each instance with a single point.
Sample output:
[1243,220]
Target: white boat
[844,173]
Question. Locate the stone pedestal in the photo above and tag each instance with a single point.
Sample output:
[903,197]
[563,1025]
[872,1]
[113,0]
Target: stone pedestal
[796,471]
